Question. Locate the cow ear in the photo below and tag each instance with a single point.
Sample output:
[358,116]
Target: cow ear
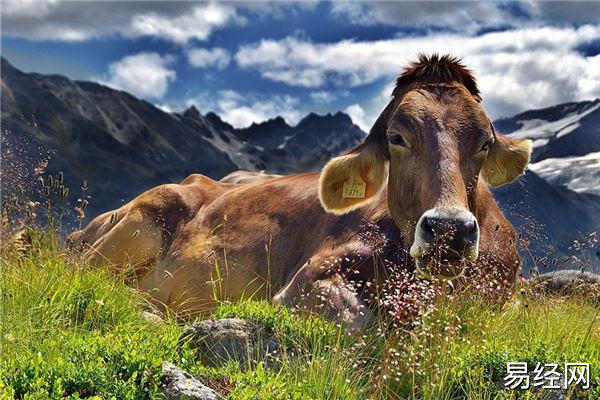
[506,160]
[352,180]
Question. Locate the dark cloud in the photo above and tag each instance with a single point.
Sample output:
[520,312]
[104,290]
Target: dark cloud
[463,16]
[83,20]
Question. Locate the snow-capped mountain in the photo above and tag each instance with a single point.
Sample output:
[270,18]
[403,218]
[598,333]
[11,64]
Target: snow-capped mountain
[564,205]
[547,126]
[566,143]
[580,174]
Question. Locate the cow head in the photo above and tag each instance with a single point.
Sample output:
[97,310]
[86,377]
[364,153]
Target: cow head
[433,143]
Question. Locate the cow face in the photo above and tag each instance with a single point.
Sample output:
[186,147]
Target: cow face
[433,142]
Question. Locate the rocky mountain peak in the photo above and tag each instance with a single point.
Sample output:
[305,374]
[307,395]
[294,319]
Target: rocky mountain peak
[192,113]
[273,123]
[315,120]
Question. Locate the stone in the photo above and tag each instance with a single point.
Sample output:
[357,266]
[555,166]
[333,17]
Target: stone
[564,280]
[218,341]
[177,384]
[151,317]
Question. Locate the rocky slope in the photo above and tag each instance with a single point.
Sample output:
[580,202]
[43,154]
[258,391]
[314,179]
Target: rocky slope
[123,145]
[276,147]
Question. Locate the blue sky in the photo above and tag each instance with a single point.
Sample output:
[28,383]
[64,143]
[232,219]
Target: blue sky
[250,61]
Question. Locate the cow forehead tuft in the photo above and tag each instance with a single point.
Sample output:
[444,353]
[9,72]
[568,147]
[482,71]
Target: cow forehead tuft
[436,69]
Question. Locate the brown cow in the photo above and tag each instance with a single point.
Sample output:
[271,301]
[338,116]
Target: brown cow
[420,180]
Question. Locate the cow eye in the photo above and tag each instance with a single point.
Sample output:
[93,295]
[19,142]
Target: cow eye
[397,140]
[486,146]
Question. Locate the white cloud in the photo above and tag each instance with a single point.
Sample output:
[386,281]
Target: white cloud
[198,24]
[82,20]
[144,74]
[241,110]
[322,97]
[356,112]
[203,58]
[165,107]
[302,63]
[516,69]
[369,110]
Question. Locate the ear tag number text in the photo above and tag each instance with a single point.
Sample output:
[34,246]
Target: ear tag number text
[354,188]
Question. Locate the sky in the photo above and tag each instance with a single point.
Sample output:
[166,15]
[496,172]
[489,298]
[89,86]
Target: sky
[252,61]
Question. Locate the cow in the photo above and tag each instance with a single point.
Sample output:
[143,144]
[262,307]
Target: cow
[415,191]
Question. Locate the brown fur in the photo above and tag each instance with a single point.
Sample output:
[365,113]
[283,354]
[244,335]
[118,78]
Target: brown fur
[272,238]
[247,177]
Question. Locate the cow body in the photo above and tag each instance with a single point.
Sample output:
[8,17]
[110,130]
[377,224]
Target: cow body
[414,193]
[231,242]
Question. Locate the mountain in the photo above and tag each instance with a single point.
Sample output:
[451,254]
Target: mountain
[276,147]
[566,143]
[123,145]
[550,219]
[557,202]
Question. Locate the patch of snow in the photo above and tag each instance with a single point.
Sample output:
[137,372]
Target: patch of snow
[567,129]
[580,174]
[539,142]
[285,142]
[532,123]
[233,147]
[536,129]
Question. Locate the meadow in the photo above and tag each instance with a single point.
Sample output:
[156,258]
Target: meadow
[69,330]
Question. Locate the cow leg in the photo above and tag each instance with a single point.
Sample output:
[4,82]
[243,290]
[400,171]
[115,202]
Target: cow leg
[314,289]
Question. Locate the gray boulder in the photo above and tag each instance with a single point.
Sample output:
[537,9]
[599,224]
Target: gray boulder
[177,384]
[565,281]
[218,341]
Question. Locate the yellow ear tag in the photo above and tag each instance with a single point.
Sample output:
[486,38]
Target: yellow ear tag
[354,188]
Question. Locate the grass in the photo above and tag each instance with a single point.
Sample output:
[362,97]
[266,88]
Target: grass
[68,330]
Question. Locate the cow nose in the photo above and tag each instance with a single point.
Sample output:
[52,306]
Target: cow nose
[449,232]
[456,233]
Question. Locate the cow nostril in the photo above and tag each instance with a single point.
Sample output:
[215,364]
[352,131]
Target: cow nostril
[471,232]
[428,226]
[471,227]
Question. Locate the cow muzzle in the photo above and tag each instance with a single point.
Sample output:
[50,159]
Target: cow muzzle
[446,239]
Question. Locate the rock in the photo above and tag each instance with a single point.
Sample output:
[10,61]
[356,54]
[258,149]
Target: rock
[177,384]
[565,281]
[539,392]
[151,317]
[219,341]
[555,394]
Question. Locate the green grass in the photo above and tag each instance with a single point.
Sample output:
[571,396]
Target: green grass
[71,331]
